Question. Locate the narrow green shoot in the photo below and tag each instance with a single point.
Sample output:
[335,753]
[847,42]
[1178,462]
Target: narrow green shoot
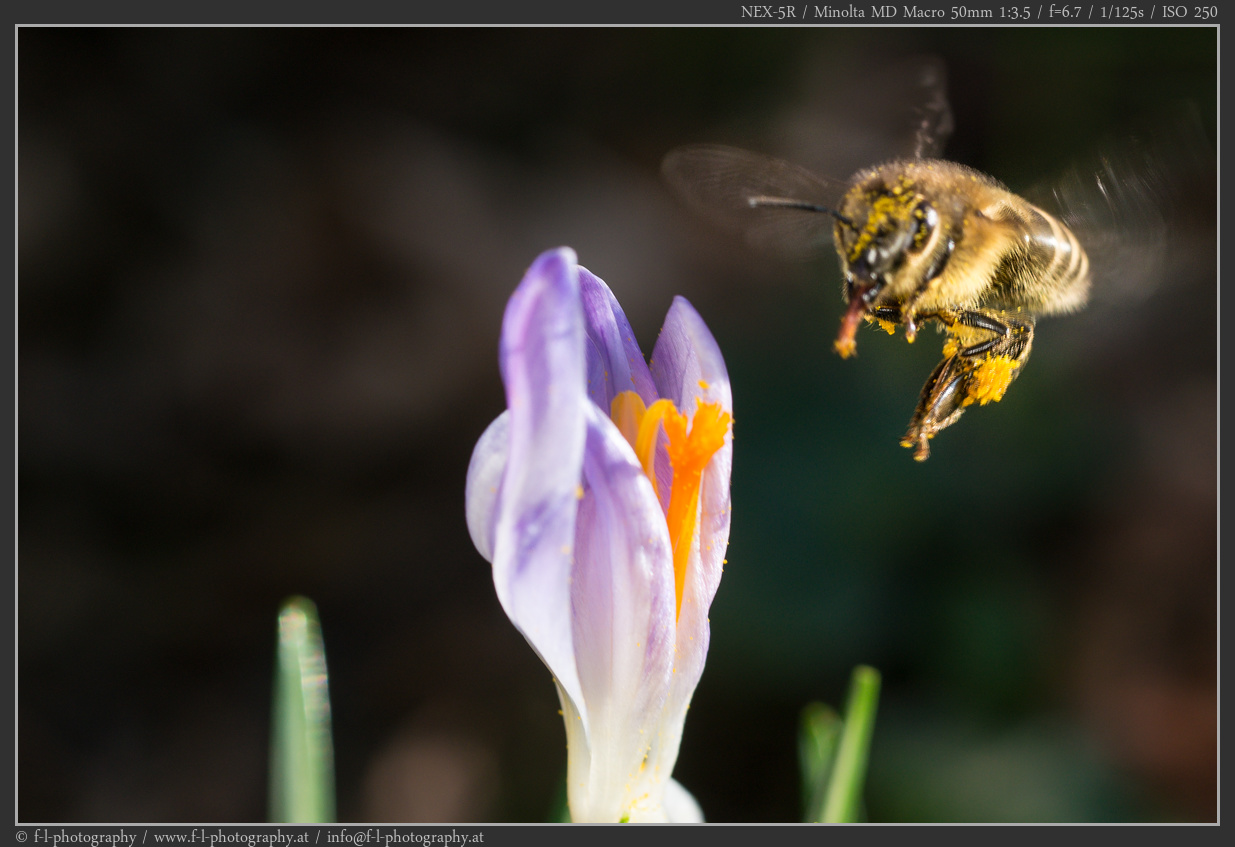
[301,750]
[844,793]
[817,737]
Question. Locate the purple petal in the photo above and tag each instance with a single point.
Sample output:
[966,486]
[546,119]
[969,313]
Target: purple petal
[624,605]
[686,353]
[542,362]
[615,362]
[484,479]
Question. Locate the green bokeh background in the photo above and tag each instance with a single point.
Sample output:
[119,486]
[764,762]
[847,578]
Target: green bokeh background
[260,284]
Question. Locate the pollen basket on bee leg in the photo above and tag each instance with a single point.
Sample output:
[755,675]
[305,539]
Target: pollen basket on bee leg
[990,380]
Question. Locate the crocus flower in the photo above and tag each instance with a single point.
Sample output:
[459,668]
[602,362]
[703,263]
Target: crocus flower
[601,498]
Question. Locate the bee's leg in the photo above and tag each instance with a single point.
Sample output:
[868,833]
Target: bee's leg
[939,405]
[911,320]
[984,353]
[1010,335]
[885,317]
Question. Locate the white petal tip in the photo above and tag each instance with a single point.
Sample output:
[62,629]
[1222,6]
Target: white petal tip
[680,805]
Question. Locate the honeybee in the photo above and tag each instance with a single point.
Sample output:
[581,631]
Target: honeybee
[923,240]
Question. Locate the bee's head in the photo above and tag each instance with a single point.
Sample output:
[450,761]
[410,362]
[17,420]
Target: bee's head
[890,224]
[884,236]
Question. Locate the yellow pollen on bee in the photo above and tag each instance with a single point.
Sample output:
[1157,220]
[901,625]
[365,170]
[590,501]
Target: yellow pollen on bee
[990,380]
[884,210]
[886,326]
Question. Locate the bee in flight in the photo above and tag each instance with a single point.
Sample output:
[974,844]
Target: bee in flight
[920,240]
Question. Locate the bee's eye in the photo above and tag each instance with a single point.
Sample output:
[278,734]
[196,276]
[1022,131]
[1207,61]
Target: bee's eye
[925,219]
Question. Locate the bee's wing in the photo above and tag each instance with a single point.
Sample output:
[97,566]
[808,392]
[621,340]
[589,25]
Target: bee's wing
[932,115]
[751,193]
[1123,207]
[1120,219]
[854,118]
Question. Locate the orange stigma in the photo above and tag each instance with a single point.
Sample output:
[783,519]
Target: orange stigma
[689,450]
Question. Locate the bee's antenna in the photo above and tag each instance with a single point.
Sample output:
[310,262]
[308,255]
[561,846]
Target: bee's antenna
[787,203]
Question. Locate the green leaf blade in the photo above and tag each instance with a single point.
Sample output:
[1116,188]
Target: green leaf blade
[301,748]
[818,736]
[844,793]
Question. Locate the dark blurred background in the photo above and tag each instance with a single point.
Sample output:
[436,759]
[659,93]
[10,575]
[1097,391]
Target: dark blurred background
[261,277]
